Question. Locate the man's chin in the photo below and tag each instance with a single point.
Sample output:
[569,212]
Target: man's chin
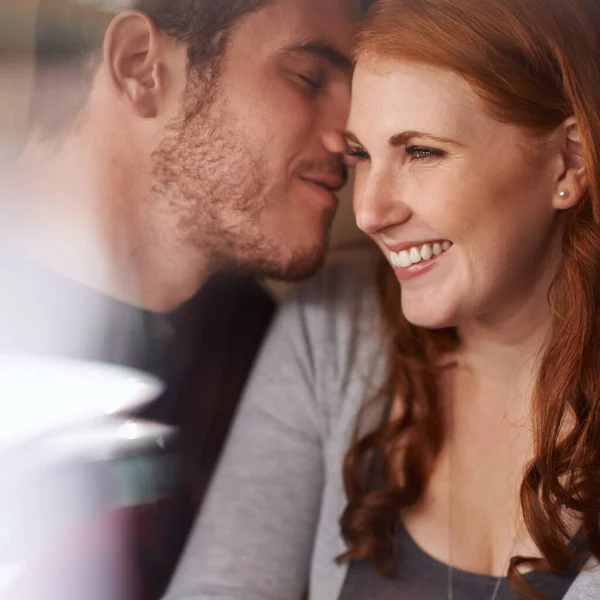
[292,268]
[301,270]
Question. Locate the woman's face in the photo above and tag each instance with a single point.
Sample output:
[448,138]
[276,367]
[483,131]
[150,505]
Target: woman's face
[460,204]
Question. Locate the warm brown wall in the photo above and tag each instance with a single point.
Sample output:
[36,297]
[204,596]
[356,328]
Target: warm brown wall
[16,42]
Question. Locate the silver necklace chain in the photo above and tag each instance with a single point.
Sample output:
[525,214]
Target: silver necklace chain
[450,528]
[451,566]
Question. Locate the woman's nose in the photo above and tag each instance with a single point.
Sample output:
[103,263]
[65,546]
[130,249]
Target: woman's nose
[377,203]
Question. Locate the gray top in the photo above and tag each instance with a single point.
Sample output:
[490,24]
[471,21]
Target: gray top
[419,575]
[270,525]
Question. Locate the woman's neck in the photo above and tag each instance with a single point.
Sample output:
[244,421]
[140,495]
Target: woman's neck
[506,353]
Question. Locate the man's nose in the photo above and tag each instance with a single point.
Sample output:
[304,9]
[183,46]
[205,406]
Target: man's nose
[334,142]
[335,118]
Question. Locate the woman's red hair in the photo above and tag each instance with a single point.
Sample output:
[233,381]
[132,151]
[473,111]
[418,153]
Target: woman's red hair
[535,63]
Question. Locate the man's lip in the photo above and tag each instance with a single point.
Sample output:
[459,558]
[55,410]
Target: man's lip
[398,247]
[332,184]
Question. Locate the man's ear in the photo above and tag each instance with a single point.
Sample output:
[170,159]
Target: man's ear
[132,59]
[573,182]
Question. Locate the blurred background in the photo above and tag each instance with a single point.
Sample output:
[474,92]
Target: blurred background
[16,72]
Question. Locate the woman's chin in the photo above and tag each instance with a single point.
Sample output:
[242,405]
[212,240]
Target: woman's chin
[429,317]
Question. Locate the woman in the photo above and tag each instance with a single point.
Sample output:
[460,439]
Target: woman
[473,468]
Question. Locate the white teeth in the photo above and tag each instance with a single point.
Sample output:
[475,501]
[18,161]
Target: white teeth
[404,259]
[414,255]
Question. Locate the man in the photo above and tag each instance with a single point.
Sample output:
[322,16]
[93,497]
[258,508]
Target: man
[202,135]
[177,139]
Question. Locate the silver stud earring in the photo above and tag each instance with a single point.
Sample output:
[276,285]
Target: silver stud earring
[563,194]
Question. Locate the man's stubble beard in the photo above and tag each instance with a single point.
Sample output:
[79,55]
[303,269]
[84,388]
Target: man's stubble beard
[206,174]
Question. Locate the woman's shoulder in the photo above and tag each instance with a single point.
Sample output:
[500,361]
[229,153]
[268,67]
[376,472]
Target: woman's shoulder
[337,315]
[347,282]
[341,300]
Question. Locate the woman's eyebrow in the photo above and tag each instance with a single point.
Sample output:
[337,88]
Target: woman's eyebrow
[401,139]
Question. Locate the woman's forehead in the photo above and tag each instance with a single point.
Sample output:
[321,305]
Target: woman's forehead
[391,96]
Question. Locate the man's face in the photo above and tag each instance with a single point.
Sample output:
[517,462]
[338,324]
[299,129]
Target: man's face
[244,167]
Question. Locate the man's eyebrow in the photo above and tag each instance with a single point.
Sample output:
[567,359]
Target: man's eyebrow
[322,50]
[351,137]
[400,139]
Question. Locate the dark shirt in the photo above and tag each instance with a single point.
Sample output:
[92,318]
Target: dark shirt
[419,575]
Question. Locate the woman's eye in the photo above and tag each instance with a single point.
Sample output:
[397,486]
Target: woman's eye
[421,152]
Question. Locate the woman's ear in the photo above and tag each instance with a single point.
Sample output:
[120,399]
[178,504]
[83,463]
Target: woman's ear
[573,182]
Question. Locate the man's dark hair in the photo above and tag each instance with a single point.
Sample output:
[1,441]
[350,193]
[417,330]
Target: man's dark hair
[203,24]
[69,35]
